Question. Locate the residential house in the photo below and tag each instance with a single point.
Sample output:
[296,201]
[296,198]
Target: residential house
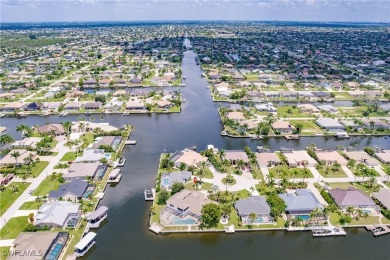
[383,156]
[329,124]
[361,157]
[92,155]
[299,158]
[85,171]
[300,203]
[13,106]
[284,127]
[331,157]
[26,143]
[257,205]
[58,214]
[235,156]
[188,157]
[327,108]
[73,106]
[23,158]
[93,105]
[351,197]
[135,105]
[383,197]
[37,245]
[267,159]
[236,116]
[71,191]
[308,108]
[56,129]
[112,141]
[175,177]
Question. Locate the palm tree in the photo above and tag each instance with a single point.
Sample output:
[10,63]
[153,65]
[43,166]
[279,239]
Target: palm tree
[221,154]
[67,125]
[240,163]
[6,139]
[252,217]
[270,179]
[25,129]
[16,155]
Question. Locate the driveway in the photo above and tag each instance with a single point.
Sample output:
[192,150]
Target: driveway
[62,149]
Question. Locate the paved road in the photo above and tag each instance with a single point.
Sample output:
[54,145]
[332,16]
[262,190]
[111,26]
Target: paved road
[36,182]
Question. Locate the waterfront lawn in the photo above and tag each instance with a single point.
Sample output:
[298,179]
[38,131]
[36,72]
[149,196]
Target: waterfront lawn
[156,216]
[31,205]
[343,96]
[8,197]
[233,220]
[13,227]
[308,127]
[291,173]
[46,186]
[88,138]
[327,172]
[370,220]
[4,251]
[283,112]
[75,237]
[69,156]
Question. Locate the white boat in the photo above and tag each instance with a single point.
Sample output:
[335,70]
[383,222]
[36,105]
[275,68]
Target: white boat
[82,247]
[149,194]
[131,142]
[121,162]
[2,115]
[342,135]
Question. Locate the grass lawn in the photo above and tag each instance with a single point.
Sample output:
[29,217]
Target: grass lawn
[233,220]
[308,127]
[4,252]
[174,109]
[334,219]
[46,186]
[256,172]
[282,112]
[88,138]
[263,190]
[75,238]
[331,174]
[31,205]
[242,194]
[252,76]
[358,172]
[207,173]
[343,96]
[69,156]
[291,172]
[345,185]
[13,227]
[157,210]
[205,186]
[35,170]
[8,197]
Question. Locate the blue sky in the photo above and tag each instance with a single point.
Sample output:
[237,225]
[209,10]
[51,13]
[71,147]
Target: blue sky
[131,10]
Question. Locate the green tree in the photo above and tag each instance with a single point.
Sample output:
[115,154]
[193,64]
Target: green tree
[162,197]
[6,139]
[15,155]
[252,217]
[211,214]
[176,187]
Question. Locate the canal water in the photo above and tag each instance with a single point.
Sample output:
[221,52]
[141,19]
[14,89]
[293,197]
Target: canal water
[126,235]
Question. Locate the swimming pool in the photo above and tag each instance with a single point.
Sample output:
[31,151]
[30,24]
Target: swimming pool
[187,221]
[303,217]
[366,211]
[57,246]
[107,155]
[258,220]
[165,182]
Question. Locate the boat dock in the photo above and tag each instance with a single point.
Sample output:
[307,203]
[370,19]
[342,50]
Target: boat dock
[115,176]
[230,229]
[150,194]
[292,137]
[131,142]
[156,228]
[328,231]
[378,230]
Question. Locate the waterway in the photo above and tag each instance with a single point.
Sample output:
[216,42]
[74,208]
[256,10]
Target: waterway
[126,235]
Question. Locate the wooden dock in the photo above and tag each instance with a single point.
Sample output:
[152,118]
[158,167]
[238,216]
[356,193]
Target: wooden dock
[378,230]
[328,231]
[156,228]
[292,137]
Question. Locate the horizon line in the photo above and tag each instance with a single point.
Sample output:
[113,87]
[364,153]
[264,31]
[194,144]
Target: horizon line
[194,20]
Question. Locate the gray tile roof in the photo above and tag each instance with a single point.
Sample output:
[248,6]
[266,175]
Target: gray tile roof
[55,212]
[350,197]
[301,200]
[180,176]
[75,188]
[255,204]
